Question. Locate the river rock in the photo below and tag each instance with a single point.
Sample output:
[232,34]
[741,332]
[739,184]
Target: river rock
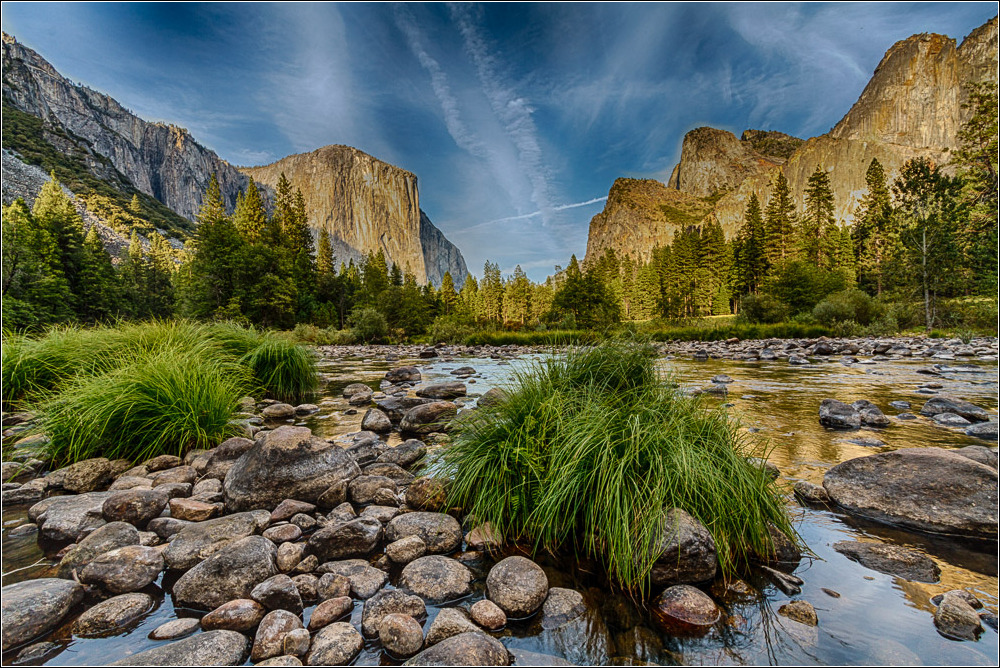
[956,619]
[441,533]
[361,398]
[799,611]
[365,580]
[450,622]
[165,527]
[927,489]
[66,519]
[394,472]
[335,585]
[403,374]
[400,635]
[287,463]
[106,538]
[686,551]
[278,412]
[684,610]
[427,494]
[124,570]
[561,606]
[950,420]
[278,593]
[85,476]
[984,430]
[193,510]
[135,506]
[110,616]
[33,607]
[222,458]
[355,388]
[979,453]
[289,508]
[870,414]
[464,649]
[231,573]
[214,648]
[376,421]
[29,493]
[428,418]
[518,585]
[200,540]
[405,550]
[362,489]
[330,611]
[437,579]
[943,404]
[355,538]
[175,629]
[810,492]
[242,614]
[184,475]
[335,645]
[387,602]
[282,533]
[483,538]
[445,390]
[890,559]
[405,455]
[270,639]
[838,415]
[784,555]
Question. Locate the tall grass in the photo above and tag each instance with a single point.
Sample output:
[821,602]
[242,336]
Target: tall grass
[591,449]
[157,403]
[285,370]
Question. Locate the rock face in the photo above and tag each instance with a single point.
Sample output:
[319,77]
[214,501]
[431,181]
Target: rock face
[287,463]
[927,489]
[32,607]
[367,206]
[161,160]
[715,160]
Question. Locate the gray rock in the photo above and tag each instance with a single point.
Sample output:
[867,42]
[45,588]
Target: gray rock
[683,610]
[135,506]
[283,533]
[383,514]
[278,412]
[927,489]
[214,648]
[561,606]
[270,639]
[800,611]
[405,550]
[441,533]
[950,420]
[242,614]
[289,508]
[956,619]
[36,653]
[784,555]
[428,418]
[400,635]
[329,611]
[28,493]
[226,575]
[488,614]
[686,551]
[362,398]
[387,602]
[362,489]
[278,593]
[184,475]
[33,607]
[871,415]
[984,430]
[222,458]
[376,421]
[356,538]
[199,540]
[163,462]
[335,585]
[394,472]
[405,455]
[427,494]
[403,374]
[838,415]
[943,404]
[518,585]
[891,559]
[335,645]
[979,453]
[492,397]
[85,476]
[464,649]
[445,390]
[287,463]
[165,527]
[109,537]
[124,570]
[355,389]
[66,519]
[175,629]
[437,579]
[810,492]
[450,622]
[111,616]
[365,581]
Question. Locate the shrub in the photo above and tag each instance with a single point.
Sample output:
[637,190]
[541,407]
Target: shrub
[762,309]
[450,329]
[587,453]
[368,325]
[846,305]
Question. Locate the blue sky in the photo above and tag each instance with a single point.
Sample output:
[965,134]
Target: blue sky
[516,118]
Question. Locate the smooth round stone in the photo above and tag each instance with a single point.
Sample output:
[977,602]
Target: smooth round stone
[270,638]
[518,585]
[108,617]
[488,614]
[330,611]
[400,635]
[685,610]
[437,579]
[283,533]
[124,570]
[335,645]
[799,611]
[333,585]
[242,615]
[178,628]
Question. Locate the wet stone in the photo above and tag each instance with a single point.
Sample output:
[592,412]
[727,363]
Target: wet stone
[335,645]
[437,579]
[178,628]
[193,510]
[308,586]
[441,533]
[124,570]
[811,492]
[364,580]
[387,602]
[108,617]
[400,635]
[289,508]
[684,610]
[330,611]
[269,641]
[283,533]
[106,538]
[518,585]
[405,550]
[488,615]
[33,607]
[464,649]
[799,611]
[891,559]
[333,585]
[561,606]
[215,648]
[956,619]
[241,615]
[278,593]
[135,506]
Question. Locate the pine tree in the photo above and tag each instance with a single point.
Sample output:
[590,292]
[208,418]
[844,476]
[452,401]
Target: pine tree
[54,212]
[491,293]
[818,235]
[250,217]
[517,297]
[449,298]
[209,286]
[159,278]
[750,258]
[99,286]
[873,233]
[779,222]
[135,206]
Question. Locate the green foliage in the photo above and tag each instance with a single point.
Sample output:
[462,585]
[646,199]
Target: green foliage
[588,452]
[368,325]
[802,284]
[450,329]
[284,370]
[854,305]
[762,309]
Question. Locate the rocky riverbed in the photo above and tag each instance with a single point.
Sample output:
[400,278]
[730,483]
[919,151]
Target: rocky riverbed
[318,538]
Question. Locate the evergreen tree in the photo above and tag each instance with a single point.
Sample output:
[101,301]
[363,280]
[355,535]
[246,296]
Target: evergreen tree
[99,285]
[375,278]
[491,293]
[818,236]
[873,233]
[54,212]
[750,258]
[449,298]
[209,286]
[159,278]
[250,217]
[779,222]
[135,292]
[646,300]
[586,297]
[135,206]
[469,296]
[517,297]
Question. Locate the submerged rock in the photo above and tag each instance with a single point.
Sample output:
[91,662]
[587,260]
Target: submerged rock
[400,635]
[686,551]
[110,616]
[428,418]
[943,404]
[891,559]
[838,415]
[387,602]
[800,611]
[464,649]
[684,610]
[214,648]
[956,619]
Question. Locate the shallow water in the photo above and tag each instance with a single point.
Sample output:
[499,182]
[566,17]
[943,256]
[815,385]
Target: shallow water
[878,619]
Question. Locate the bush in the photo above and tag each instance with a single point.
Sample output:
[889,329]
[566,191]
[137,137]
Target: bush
[589,450]
[368,325]
[762,309]
[847,305]
[450,329]
[801,285]
[884,326]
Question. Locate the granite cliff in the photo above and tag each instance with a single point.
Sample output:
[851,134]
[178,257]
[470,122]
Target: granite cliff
[367,205]
[911,107]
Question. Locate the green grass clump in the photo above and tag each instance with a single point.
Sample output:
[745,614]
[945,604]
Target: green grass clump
[156,403]
[285,370]
[591,449]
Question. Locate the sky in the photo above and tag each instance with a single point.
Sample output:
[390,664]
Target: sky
[516,118]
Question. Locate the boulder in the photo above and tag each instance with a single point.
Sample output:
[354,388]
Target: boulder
[330,611]
[686,551]
[943,404]
[214,648]
[810,492]
[464,649]
[394,472]
[488,614]
[222,458]
[926,489]
[979,453]
[518,585]
[178,628]
[335,585]
[355,389]
[85,476]
[561,606]
[436,579]
[278,412]
[356,538]
[428,418]
[870,414]
[278,593]
[242,614]
[66,519]
[184,475]
[126,569]
[362,489]
[387,602]
[890,559]
[405,455]
[106,538]
[441,533]
[492,397]
[193,510]
[287,463]
[800,611]
[33,607]
[135,506]
[984,430]
[376,421]
[838,415]
[405,550]
[200,540]
[227,575]
[446,390]
[335,645]
[427,494]
[110,616]
[956,618]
